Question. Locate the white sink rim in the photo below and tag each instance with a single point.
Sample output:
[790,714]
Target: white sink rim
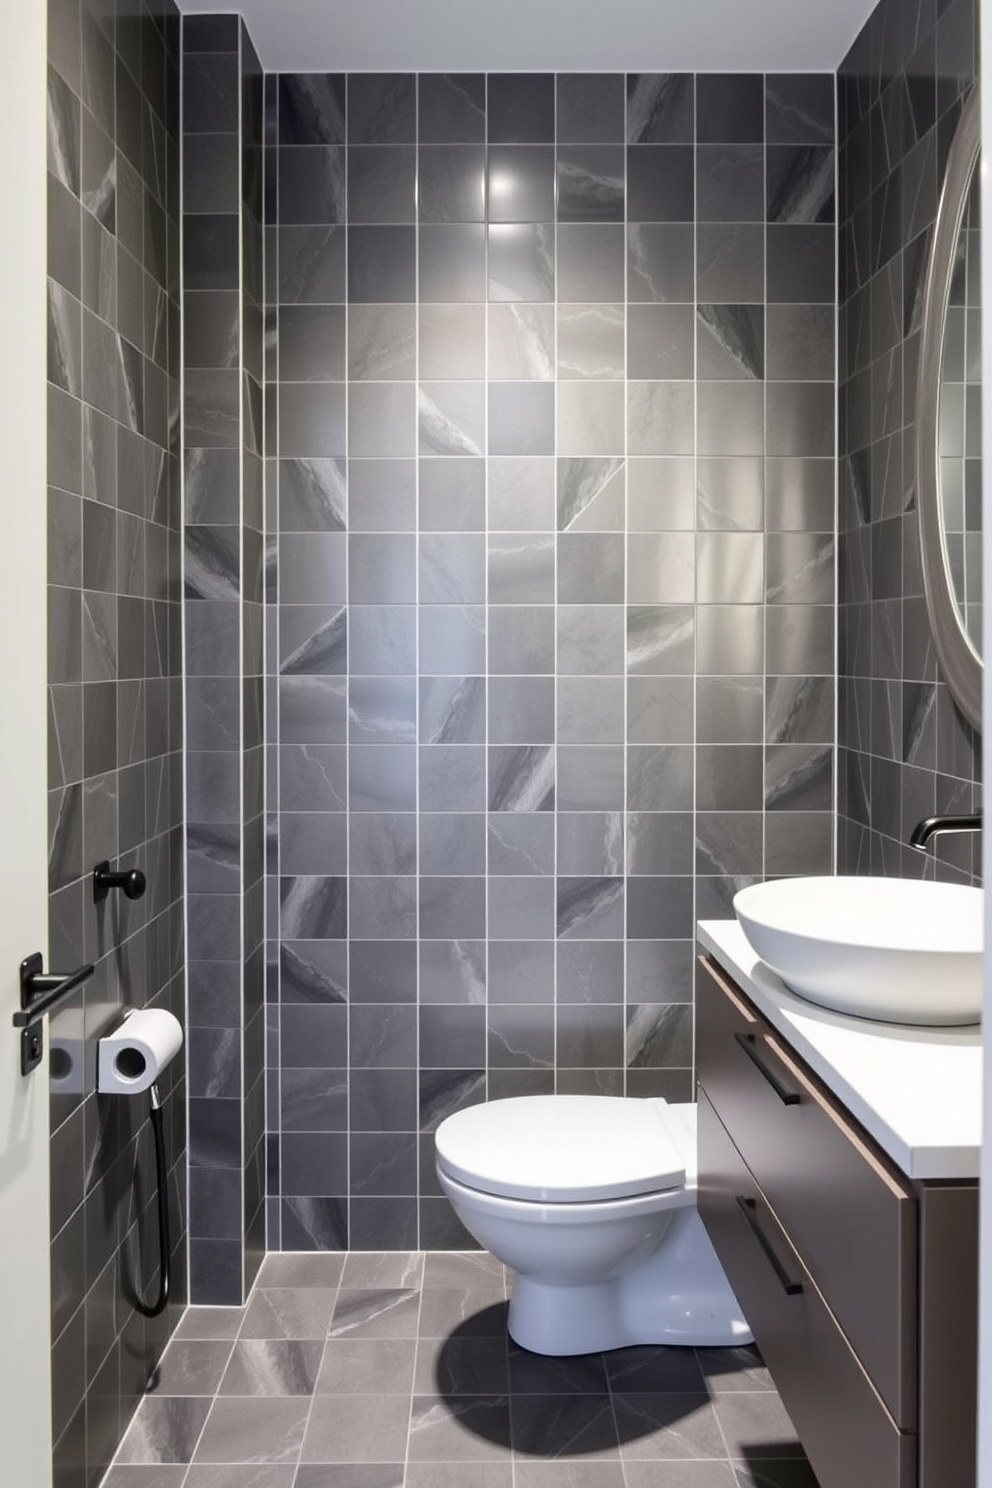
[833,942]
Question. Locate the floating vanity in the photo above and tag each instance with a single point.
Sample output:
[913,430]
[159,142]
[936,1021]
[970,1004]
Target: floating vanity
[838,1180]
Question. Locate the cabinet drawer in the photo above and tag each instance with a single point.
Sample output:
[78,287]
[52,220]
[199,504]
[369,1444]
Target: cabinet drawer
[846,1431]
[850,1215]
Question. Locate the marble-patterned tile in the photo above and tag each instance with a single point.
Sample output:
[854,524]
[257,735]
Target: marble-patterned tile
[590,108]
[590,908]
[660,1427]
[521,262]
[753,1422]
[660,108]
[209,1323]
[146,1477]
[357,1428]
[760,1473]
[520,842]
[634,1370]
[376,1312]
[311,108]
[164,1429]
[269,1367]
[590,494]
[590,183]
[238,1475]
[352,1475]
[452,107]
[800,183]
[452,1475]
[253,1431]
[367,1367]
[538,1374]
[682,1474]
[733,1369]
[451,419]
[572,1425]
[452,710]
[731,341]
[591,341]
[521,778]
[288,1312]
[462,1429]
[190,1368]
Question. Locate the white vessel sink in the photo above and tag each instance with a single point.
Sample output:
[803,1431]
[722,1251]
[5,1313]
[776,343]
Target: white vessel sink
[895,949]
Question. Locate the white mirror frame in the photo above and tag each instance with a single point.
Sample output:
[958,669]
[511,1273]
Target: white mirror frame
[960,665]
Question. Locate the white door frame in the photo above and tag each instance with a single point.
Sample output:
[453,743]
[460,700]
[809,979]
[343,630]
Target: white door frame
[25,1322]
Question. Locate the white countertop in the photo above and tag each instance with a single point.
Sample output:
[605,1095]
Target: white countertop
[917,1091]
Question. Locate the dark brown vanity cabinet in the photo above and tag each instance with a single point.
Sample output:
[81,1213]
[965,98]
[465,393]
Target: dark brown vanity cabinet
[859,1284]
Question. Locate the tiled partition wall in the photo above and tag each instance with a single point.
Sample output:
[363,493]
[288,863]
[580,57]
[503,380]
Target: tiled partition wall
[115,721]
[905,751]
[553,669]
[224,560]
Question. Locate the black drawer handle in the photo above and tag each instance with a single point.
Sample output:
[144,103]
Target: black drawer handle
[786,1096]
[749,1209]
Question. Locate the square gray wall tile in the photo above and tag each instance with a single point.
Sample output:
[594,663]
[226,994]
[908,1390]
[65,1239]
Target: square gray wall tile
[555,577]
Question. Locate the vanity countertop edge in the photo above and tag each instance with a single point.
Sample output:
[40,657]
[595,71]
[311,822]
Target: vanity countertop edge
[916,1091]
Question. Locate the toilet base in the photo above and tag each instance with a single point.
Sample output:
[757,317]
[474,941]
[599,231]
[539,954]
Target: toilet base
[677,1295]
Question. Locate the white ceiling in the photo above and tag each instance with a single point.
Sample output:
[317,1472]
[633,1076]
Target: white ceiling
[549,35]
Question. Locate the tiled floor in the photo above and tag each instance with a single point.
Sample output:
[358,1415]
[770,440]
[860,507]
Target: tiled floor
[394,1371]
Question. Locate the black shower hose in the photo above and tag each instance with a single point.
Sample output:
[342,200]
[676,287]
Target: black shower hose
[153,1309]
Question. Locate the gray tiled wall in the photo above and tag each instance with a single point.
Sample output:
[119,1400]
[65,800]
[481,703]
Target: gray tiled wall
[115,720]
[905,751]
[551,662]
[224,560]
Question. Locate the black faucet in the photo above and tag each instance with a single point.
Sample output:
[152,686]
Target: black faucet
[931,825]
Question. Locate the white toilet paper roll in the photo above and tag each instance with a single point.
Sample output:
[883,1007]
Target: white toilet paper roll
[135,1054]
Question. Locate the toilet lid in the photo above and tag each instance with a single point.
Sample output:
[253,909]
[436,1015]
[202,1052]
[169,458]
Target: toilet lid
[561,1148]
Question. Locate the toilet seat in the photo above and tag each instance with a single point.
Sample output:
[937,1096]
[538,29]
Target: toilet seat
[562,1148]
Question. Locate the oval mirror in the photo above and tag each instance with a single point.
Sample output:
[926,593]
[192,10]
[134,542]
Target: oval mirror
[948,423]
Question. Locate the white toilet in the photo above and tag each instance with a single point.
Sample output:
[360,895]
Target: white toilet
[592,1201]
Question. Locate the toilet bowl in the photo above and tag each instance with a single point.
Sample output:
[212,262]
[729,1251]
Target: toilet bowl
[591,1200]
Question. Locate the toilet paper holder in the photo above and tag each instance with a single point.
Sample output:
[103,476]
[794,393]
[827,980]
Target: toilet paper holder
[132,1058]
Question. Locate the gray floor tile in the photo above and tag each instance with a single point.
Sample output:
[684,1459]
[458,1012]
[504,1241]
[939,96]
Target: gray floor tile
[337,1378]
[237,1475]
[568,1474]
[390,1268]
[379,1313]
[145,1477]
[165,1428]
[537,1374]
[301,1269]
[756,1426]
[679,1475]
[357,1428]
[635,1369]
[363,1366]
[781,1474]
[454,1475]
[562,1426]
[190,1368]
[733,1369]
[657,1427]
[461,1366]
[210,1322]
[350,1475]
[460,1429]
[253,1431]
[285,1312]
[462,1268]
[476,1312]
[273,1366]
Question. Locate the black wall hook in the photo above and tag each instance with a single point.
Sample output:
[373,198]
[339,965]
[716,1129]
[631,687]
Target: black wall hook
[131,882]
